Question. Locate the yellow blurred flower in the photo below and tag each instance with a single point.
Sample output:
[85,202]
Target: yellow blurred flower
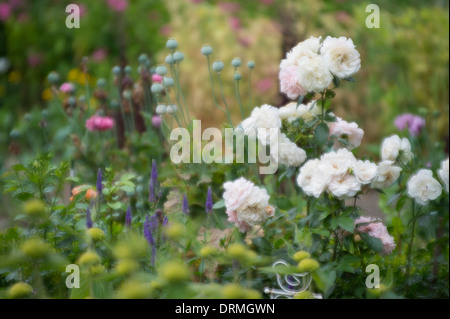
[46,94]
[14,77]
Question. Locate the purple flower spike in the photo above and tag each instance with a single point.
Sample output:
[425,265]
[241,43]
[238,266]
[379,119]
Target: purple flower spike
[99,182]
[185,205]
[165,221]
[153,222]
[209,202]
[149,236]
[148,231]
[128,217]
[89,223]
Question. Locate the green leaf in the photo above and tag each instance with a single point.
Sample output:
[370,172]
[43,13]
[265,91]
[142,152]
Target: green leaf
[127,188]
[345,263]
[72,179]
[393,198]
[219,204]
[325,278]
[350,79]
[330,94]
[18,168]
[126,177]
[374,243]
[115,206]
[346,223]
[336,82]
[321,134]
[401,202]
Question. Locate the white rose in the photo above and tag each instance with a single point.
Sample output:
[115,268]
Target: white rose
[443,173]
[313,74]
[310,111]
[423,187]
[288,112]
[246,204]
[344,130]
[337,163]
[387,174]
[393,147]
[260,122]
[312,180]
[344,186]
[342,58]
[309,47]
[365,171]
[289,153]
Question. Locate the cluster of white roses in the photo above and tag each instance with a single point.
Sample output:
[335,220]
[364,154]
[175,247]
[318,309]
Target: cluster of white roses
[247,205]
[337,172]
[265,123]
[311,65]
[423,187]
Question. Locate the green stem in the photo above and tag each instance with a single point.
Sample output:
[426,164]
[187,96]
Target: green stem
[411,241]
[238,96]
[224,100]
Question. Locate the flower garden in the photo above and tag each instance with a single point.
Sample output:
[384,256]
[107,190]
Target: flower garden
[319,171]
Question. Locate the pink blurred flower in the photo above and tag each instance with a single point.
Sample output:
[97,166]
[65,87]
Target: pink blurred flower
[99,123]
[34,60]
[229,7]
[245,41]
[99,54]
[414,123]
[118,5]
[67,87]
[289,83]
[342,16]
[23,17]
[264,84]
[5,11]
[156,121]
[376,229]
[15,3]
[165,30]
[83,10]
[157,78]
[235,23]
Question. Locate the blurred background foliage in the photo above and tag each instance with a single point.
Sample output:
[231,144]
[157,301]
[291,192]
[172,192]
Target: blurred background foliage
[404,62]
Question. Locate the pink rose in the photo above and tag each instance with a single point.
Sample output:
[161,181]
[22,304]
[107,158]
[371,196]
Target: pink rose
[376,229]
[67,87]
[99,123]
[246,204]
[289,83]
[350,131]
